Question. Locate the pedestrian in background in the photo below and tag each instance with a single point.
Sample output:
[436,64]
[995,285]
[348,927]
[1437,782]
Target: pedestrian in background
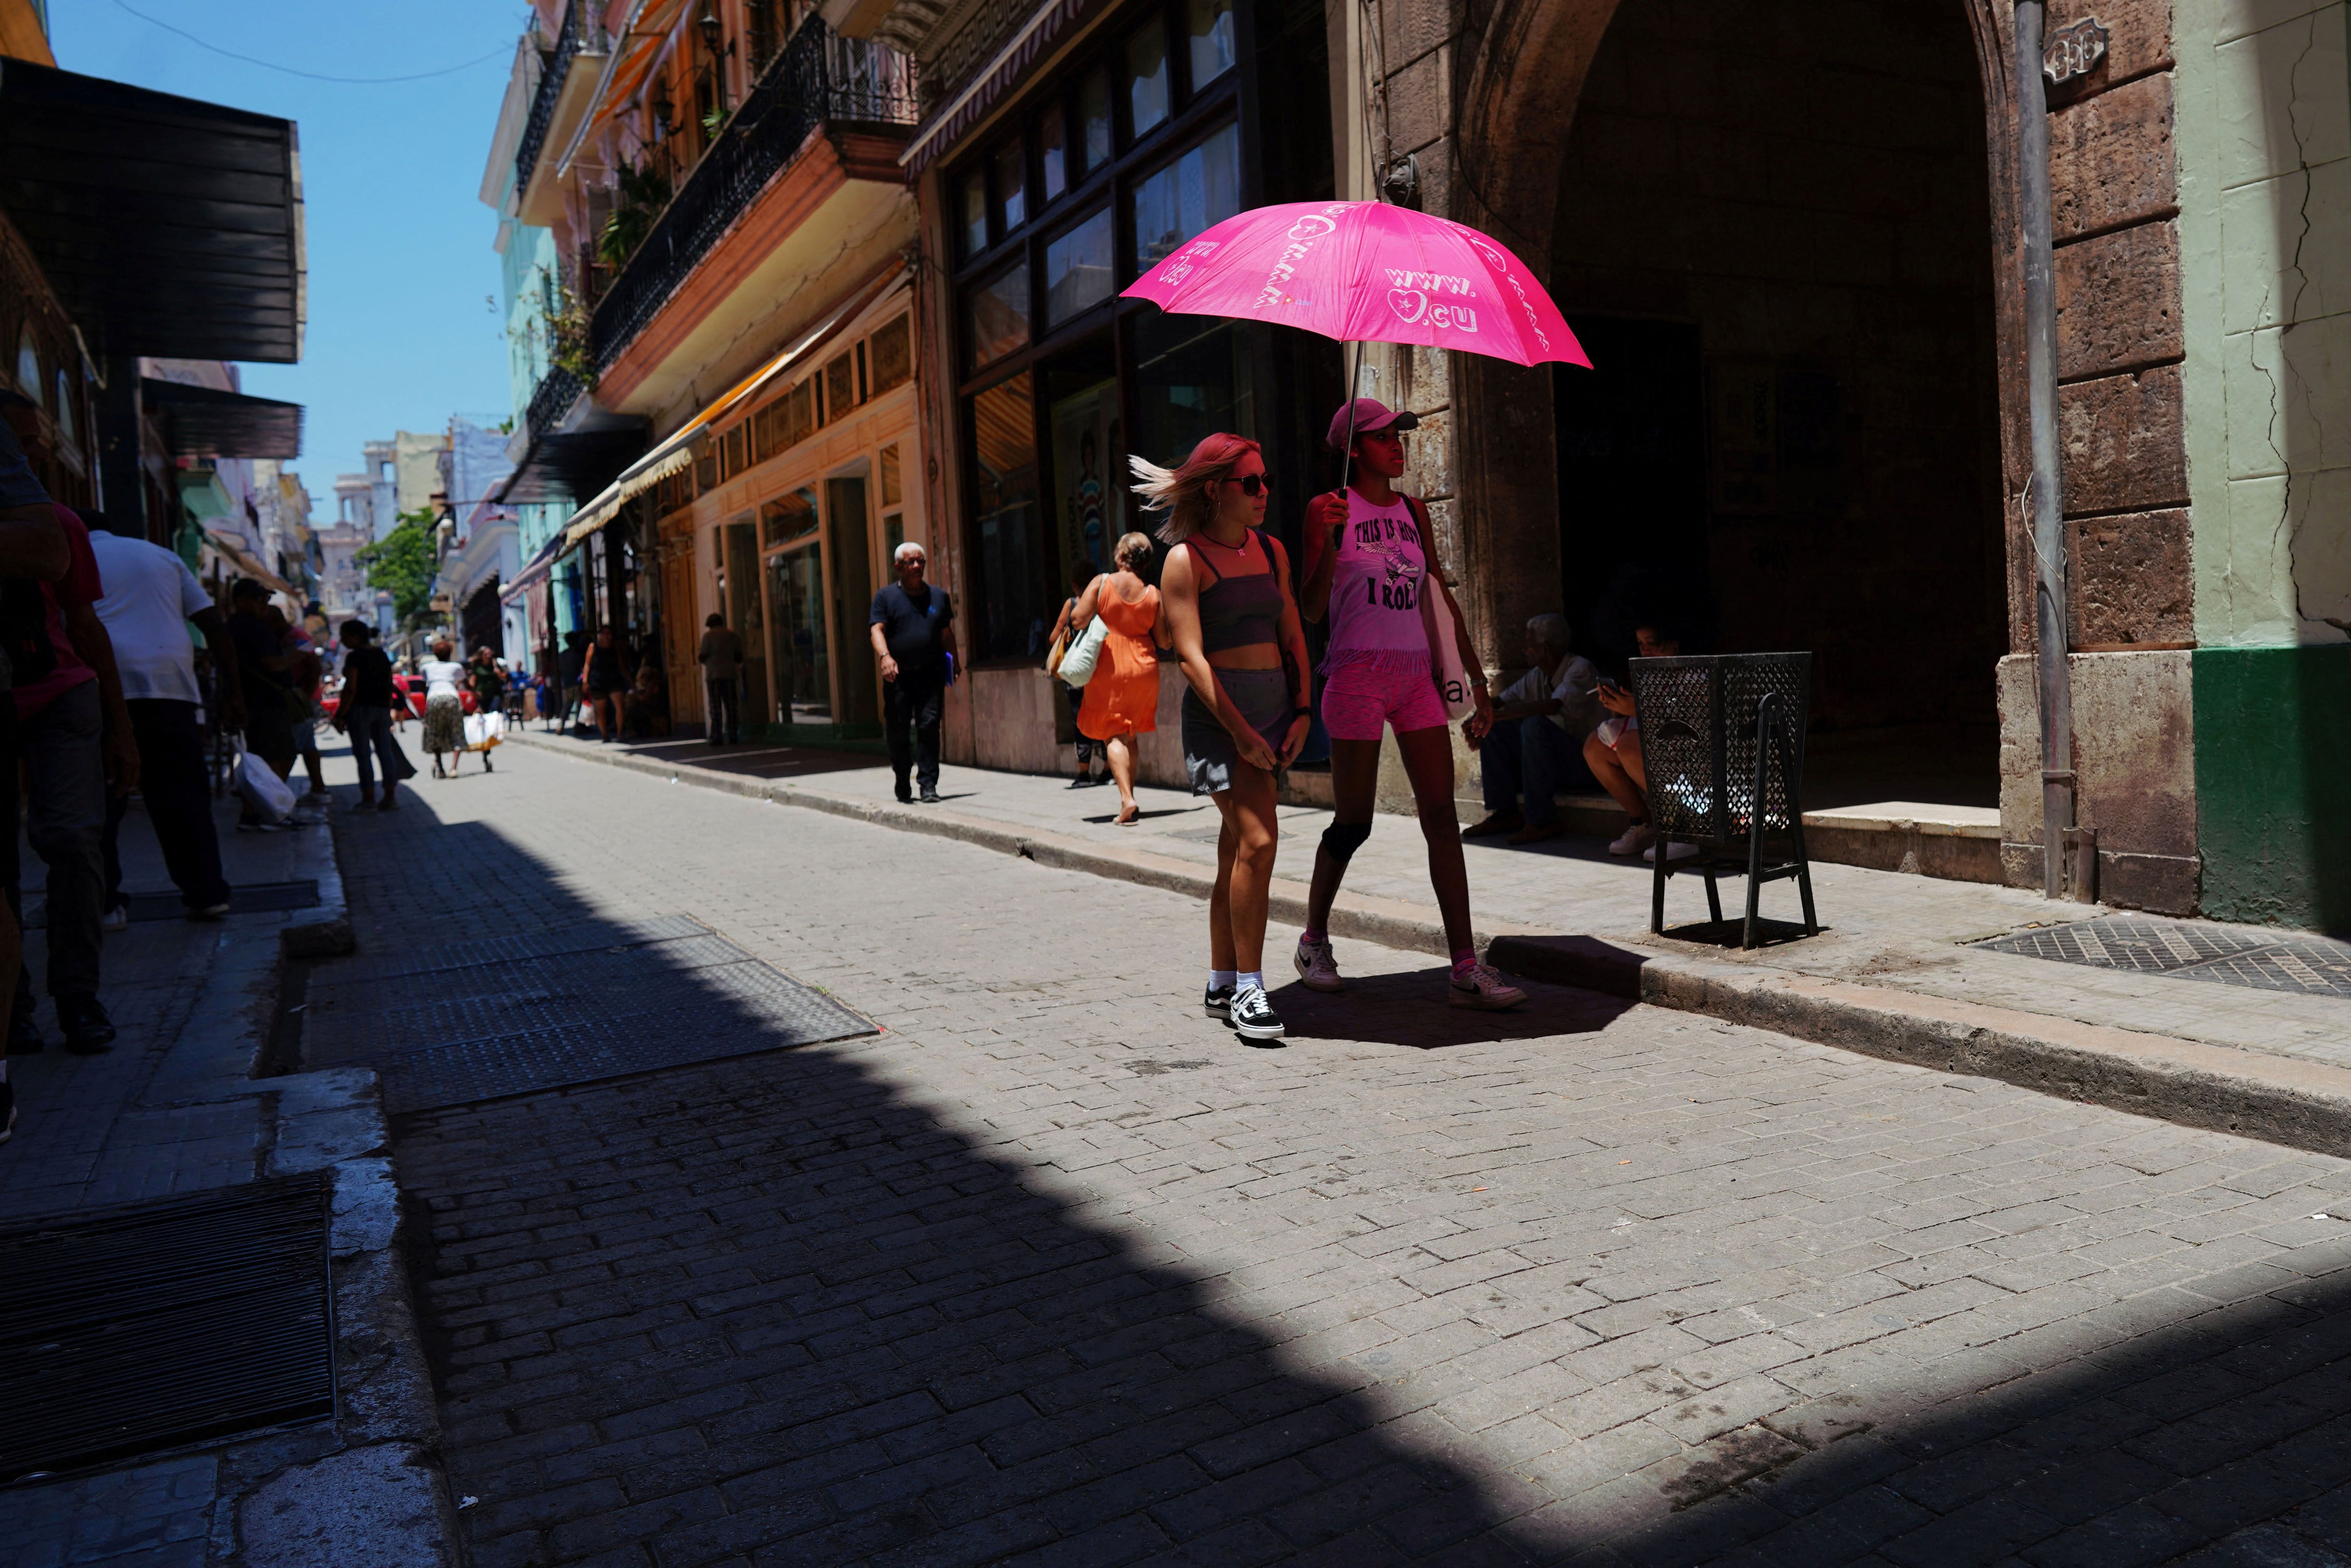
[1233,621]
[1080,577]
[150,600]
[606,678]
[265,671]
[309,674]
[722,667]
[485,681]
[365,716]
[570,670]
[445,707]
[1122,699]
[33,548]
[73,736]
[913,628]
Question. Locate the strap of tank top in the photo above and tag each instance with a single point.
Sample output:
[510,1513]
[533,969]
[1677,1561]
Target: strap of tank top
[1239,549]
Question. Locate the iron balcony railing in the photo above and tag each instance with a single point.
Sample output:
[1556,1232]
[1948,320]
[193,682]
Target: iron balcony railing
[819,77]
[552,70]
[552,399]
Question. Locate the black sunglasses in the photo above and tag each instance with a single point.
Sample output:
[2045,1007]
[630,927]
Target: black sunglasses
[1253,484]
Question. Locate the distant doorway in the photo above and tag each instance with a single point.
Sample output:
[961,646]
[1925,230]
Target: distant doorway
[1791,440]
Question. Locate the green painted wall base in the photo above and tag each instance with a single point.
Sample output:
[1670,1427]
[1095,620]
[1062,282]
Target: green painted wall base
[2274,784]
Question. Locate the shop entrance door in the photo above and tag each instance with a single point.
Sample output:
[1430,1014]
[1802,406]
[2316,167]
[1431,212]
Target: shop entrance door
[680,635]
[745,614]
[853,555]
[803,673]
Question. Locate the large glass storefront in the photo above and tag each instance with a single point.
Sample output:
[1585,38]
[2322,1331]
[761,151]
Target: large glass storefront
[1147,137]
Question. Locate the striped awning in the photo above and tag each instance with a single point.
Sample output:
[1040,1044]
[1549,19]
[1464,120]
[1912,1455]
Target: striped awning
[970,105]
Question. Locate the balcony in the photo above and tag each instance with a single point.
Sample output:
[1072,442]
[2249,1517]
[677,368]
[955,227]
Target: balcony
[818,79]
[563,96]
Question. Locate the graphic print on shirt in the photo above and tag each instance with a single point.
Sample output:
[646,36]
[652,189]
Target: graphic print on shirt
[1375,594]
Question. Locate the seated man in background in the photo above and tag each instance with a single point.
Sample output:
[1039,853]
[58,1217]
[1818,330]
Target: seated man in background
[1535,749]
[1614,750]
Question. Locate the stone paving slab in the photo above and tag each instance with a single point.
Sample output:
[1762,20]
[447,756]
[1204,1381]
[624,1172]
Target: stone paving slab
[1055,1271]
[2284,1061]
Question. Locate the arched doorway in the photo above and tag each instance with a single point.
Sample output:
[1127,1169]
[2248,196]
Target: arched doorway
[1774,234]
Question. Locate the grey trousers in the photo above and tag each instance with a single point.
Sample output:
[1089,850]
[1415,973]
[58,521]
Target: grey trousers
[369,729]
[65,774]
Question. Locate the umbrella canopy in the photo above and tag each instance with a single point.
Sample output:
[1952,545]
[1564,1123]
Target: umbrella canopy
[1364,272]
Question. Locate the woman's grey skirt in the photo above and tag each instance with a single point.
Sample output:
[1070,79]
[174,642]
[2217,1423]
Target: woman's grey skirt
[1210,755]
[444,725]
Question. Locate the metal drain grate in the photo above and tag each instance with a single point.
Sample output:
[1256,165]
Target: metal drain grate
[163,1324]
[2186,950]
[245,898]
[679,1034]
[550,942]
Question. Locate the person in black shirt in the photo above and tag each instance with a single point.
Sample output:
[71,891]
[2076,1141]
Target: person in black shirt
[570,668]
[913,636]
[607,681]
[364,713]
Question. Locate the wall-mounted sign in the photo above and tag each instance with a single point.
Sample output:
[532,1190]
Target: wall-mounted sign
[2072,51]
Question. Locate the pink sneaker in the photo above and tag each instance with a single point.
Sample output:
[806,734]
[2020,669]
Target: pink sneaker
[1482,986]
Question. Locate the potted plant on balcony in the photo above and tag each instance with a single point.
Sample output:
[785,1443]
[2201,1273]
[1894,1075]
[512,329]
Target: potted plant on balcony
[643,190]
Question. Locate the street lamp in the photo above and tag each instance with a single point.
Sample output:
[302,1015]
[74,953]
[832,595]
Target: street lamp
[717,47]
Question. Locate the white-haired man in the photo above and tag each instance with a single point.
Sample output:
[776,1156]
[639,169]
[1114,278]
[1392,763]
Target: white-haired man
[914,637]
[1536,746]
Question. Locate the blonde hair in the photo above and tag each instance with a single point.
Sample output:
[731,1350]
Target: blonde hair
[1129,548]
[1182,492]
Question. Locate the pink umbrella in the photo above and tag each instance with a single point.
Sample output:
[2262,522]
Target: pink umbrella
[1366,272]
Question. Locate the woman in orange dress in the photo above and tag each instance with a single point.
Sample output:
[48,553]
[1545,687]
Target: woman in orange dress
[1122,699]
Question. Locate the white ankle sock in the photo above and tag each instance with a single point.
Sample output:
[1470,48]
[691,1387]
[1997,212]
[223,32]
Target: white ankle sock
[1248,977]
[1220,980]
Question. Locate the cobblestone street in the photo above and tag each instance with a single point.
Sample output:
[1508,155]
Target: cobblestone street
[1053,1269]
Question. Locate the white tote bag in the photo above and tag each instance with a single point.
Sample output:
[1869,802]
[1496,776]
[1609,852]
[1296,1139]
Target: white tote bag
[1078,663]
[271,797]
[1445,656]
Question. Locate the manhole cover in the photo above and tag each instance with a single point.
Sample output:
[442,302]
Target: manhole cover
[2188,950]
[548,942]
[130,1329]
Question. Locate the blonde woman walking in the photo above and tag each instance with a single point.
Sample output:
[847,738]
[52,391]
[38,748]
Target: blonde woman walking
[1122,699]
[1232,619]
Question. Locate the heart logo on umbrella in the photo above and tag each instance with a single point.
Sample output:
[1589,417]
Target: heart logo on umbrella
[1409,304]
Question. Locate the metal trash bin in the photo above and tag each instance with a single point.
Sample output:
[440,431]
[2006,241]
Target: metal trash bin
[1723,740]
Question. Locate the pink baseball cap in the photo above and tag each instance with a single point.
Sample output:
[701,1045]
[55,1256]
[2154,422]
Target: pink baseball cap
[1370,413]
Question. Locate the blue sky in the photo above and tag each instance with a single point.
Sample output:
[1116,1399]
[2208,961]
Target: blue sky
[399,334]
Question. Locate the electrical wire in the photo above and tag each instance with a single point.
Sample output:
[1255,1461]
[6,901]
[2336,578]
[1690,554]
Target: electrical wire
[312,76]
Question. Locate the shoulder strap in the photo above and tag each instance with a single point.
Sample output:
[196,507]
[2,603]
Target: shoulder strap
[1201,561]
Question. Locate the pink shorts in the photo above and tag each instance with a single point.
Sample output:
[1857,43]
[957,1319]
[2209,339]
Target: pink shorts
[1370,690]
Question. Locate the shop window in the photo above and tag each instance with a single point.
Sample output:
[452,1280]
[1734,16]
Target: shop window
[840,385]
[1052,155]
[1011,187]
[894,355]
[788,517]
[706,462]
[799,417]
[1093,123]
[1079,270]
[893,489]
[1197,188]
[1146,78]
[893,534]
[971,207]
[1009,562]
[1211,28]
[765,425]
[738,455]
[1189,376]
[996,316]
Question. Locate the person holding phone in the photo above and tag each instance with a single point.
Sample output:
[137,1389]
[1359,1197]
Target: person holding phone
[1613,751]
[1368,571]
[1227,605]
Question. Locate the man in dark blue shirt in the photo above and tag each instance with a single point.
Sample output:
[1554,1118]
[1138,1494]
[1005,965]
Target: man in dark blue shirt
[913,636]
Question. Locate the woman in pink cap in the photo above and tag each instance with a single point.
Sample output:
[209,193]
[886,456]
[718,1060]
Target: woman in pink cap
[1367,569]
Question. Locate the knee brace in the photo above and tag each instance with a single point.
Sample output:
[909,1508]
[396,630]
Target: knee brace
[1342,840]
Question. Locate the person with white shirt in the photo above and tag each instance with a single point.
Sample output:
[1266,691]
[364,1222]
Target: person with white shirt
[444,709]
[1536,746]
[149,598]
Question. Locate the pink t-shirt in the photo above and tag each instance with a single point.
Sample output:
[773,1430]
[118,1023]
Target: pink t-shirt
[1377,584]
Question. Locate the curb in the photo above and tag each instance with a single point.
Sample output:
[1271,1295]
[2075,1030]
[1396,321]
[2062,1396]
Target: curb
[2278,1100]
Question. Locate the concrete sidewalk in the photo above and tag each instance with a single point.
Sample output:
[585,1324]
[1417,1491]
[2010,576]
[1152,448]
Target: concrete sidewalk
[184,1102]
[1895,971]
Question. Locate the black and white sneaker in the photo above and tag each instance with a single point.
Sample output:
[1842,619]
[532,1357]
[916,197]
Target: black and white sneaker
[1253,1017]
[1218,1002]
